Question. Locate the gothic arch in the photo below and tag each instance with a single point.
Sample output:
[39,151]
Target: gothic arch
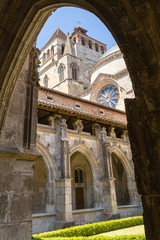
[48,160]
[89,155]
[124,160]
[129,173]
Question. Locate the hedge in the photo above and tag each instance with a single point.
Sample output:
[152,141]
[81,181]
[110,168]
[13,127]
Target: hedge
[125,237]
[90,229]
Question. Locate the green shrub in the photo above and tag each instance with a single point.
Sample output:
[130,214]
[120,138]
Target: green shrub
[126,237]
[90,229]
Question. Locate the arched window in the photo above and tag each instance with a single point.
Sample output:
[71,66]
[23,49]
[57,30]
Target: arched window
[43,58]
[74,40]
[74,67]
[83,41]
[48,54]
[96,47]
[63,46]
[45,81]
[90,44]
[108,96]
[52,50]
[102,49]
[61,72]
[78,173]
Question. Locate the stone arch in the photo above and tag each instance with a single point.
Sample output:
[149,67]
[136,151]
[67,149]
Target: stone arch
[128,170]
[120,154]
[45,80]
[90,157]
[96,47]
[61,71]
[51,174]
[48,159]
[90,45]
[88,154]
[62,48]
[52,51]
[83,41]
[75,70]
[82,184]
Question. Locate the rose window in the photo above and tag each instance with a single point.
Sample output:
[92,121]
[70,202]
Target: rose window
[108,96]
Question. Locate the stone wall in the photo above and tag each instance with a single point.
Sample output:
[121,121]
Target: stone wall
[16,184]
[86,151]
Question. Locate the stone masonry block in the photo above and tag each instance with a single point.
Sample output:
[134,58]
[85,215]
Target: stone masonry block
[9,182]
[22,166]
[21,207]
[27,182]
[23,231]
[3,208]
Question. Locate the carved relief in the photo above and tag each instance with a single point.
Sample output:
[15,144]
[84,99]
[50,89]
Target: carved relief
[63,129]
[34,65]
[96,130]
[78,125]
[111,132]
[103,135]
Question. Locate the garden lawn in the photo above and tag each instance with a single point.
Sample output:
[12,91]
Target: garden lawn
[126,231]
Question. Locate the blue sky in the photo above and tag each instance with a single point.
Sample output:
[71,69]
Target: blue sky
[67,18]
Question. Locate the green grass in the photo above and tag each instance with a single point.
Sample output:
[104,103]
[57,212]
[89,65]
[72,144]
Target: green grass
[126,231]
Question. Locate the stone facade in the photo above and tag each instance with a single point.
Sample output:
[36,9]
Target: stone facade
[87,142]
[79,150]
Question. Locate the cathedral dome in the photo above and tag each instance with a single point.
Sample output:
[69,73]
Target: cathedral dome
[111,50]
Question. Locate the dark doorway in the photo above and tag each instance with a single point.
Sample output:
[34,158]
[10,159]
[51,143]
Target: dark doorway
[79,198]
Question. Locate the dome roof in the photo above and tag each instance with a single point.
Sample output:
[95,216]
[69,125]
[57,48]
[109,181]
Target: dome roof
[111,50]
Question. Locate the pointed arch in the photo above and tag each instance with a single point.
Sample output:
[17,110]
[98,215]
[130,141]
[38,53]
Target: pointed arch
[124,160]
[88,154]
[75,70]
[61,70]
[48,160]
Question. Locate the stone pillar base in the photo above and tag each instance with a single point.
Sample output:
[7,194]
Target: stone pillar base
[109,195]
[63,199]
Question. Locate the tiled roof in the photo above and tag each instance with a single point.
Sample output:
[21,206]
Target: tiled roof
[79,107]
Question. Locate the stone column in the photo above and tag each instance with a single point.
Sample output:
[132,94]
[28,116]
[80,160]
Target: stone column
[144,129]
[63,203]
[63,184]
[16,189]
[107,180]
[30,122]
